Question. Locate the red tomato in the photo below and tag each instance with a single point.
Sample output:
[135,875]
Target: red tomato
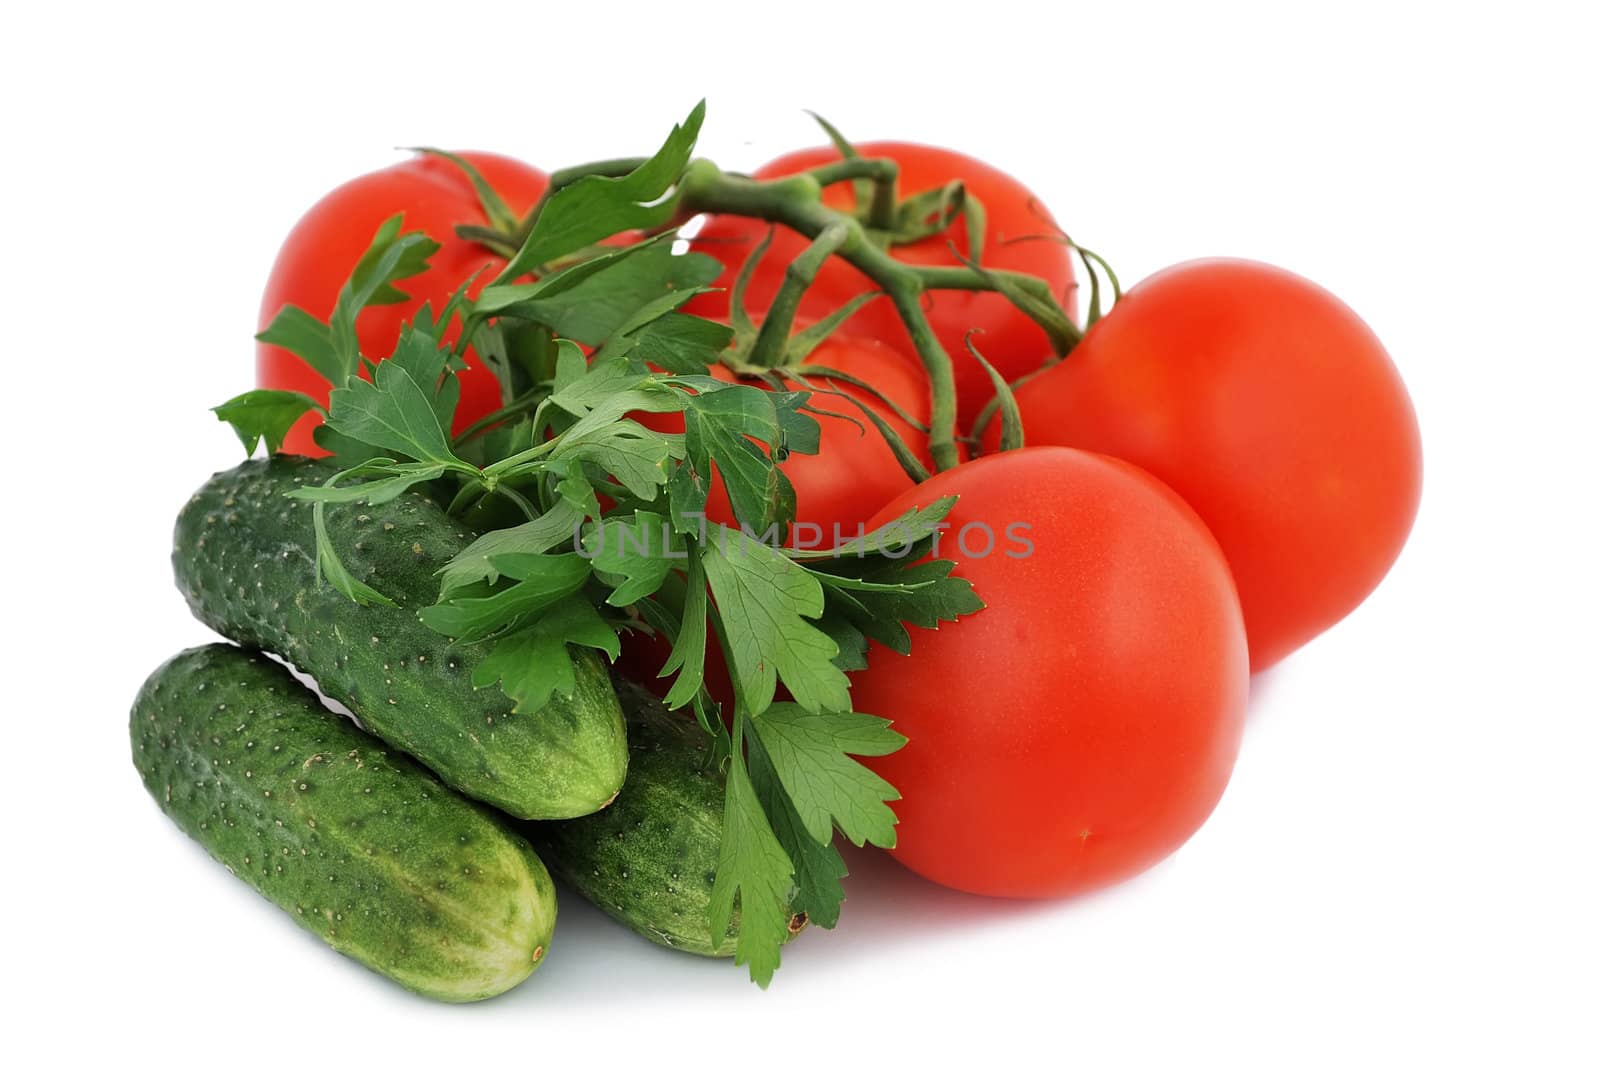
[1273,410]
[325,245]
[854,472]
[1084,724]
[1018,237]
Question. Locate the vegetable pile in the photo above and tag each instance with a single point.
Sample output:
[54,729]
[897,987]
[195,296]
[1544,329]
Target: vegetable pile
[661,555]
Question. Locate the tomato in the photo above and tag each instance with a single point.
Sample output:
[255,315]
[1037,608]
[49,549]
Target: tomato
[854,472]
[325,245]
[1018,236]
[1273,410]
[1084,723]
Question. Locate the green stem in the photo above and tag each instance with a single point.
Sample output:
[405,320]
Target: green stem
[499,416]
[1062,332]
[883,173]
[506,464]
[516,496]
[953,277]
[768,351]
[796,203]
[501,243]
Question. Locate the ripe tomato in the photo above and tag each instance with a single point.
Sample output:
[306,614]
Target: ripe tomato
[1017,237]
[1273,410]
[854,472]
[1084,724]
[325,245]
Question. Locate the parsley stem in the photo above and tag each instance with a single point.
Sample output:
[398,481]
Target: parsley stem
[498,241]
[499,416]
[503,488]
[506,464]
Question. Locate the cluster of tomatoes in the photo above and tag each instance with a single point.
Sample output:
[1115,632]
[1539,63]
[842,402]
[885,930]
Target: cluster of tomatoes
[1224,466]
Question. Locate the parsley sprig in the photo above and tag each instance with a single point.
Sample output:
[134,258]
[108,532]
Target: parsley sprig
[592,524]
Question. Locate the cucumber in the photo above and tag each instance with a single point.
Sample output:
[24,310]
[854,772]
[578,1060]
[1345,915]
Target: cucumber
[650,858]
[364,848]
[245,558]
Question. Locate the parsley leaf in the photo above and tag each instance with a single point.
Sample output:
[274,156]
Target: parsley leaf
[532,663]
[331,569]
[480,610]
[476,562]
[428,365]
[389,257]
[332,349]
[635,456]
[309,339]
[764,600]
[634,554]
[680,343]
[393,479]
[753,869]
[810,750]
[818,869]
[688,657]
[400,409]
[595,208]
[894,594]
[264,414]
[589,302]
[719,423]
[896,539]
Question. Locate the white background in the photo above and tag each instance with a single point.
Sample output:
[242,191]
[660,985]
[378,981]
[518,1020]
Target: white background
[1403,870]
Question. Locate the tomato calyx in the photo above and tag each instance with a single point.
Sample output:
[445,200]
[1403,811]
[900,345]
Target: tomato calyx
[888,219]
[500,235]
[1004,403]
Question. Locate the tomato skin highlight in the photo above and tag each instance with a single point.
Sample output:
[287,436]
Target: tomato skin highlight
[324,246]
[1273,410]
[1020,235]
[1084,724]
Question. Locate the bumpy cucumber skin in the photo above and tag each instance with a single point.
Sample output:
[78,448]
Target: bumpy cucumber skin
[245,558]
[649,859]
[364,848]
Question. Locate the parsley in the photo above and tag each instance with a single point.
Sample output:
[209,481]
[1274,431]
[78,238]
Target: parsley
[753,868]
[530,664]
[765,600]
[264,414]
[810,751]
[591,523]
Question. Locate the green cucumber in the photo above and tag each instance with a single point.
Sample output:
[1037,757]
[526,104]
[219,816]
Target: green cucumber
[650,858]
[365,849]
[245,558]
